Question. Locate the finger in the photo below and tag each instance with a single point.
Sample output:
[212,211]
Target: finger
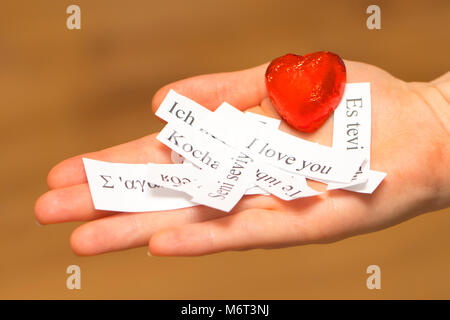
[243,89]
[130,230]
[253,228]
[71,171]
[67,204]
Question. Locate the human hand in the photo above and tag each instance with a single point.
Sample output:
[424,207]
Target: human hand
[410,135]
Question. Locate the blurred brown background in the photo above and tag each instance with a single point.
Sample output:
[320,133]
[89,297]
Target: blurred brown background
[68,92]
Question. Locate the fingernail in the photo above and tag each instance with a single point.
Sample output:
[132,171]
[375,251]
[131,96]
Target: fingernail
[37,223]
[149,254]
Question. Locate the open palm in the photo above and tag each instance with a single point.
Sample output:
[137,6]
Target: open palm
[416,163]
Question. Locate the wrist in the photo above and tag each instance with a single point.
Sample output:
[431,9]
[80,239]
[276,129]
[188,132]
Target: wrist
[435,98]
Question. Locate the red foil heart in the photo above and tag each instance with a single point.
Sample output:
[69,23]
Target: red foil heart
[306,89]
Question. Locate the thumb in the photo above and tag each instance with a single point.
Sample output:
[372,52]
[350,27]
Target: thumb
[243,89]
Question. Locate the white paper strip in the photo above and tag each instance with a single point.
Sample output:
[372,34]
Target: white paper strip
[195,146]
[176,107]
[271,123]
[178,177]
[373,181]
[352,135]
[125,188]
[282,184]
[224,188]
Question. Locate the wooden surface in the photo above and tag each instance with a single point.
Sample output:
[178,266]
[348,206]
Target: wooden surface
[68,92]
